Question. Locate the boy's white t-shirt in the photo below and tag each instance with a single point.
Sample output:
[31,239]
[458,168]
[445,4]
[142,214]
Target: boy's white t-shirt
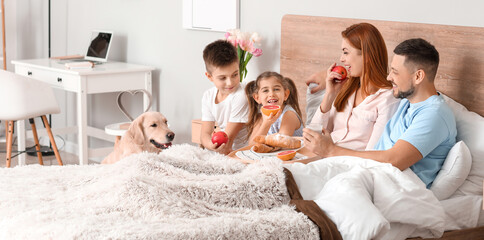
[233,109]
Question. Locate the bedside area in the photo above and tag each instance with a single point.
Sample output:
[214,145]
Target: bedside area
[196,130]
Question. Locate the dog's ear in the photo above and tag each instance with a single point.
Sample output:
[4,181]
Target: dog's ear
[135,132]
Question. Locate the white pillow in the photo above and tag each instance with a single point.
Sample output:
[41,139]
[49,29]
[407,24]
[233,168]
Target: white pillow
[454,171]
[470,129]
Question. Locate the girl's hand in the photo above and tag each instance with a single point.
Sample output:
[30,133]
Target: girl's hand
[269,120]
[333,82]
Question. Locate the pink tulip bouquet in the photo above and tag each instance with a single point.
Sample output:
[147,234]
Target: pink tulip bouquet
[246,48]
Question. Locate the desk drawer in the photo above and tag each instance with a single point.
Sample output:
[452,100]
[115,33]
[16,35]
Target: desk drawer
[55,79]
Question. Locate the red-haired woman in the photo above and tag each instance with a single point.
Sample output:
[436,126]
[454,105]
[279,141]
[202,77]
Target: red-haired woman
[355,110]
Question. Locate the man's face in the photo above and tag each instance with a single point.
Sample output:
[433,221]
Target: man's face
[401,78]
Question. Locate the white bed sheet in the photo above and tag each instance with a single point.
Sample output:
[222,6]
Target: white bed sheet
[462,212]
[366,198]
[459,212]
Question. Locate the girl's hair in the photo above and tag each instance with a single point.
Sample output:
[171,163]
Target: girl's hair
[366,38]
[254,86]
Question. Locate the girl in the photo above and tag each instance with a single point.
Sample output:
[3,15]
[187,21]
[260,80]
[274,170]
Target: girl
[357,109]
[271,88]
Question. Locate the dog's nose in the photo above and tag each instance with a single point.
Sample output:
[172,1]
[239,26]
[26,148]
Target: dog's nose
[170,136]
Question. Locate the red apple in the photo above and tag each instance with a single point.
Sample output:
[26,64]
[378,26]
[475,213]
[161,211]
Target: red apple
[341,70]
[220,138]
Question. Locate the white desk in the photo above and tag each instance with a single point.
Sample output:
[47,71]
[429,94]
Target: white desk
[103,78]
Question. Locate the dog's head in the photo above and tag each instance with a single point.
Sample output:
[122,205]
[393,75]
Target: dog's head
[151,131]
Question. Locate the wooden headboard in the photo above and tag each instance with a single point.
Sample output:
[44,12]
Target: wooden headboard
[310,44]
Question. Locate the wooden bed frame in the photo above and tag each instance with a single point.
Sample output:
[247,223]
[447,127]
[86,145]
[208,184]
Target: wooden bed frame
[312,43]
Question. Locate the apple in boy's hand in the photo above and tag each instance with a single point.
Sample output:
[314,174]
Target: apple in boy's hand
[220,138]
[341,70]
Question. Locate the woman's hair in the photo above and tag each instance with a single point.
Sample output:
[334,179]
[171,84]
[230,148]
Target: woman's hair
[254,107]
[366,38]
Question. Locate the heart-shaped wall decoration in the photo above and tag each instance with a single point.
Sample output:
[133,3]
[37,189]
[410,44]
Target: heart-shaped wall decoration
[121,107]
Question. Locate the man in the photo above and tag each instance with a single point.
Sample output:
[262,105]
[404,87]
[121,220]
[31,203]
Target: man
[422,130]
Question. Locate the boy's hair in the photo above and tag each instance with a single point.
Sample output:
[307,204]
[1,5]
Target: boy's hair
[219,53]
[254,107]
[419,54]
[366,38]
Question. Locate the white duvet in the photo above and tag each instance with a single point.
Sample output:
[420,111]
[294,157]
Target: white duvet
[366,198]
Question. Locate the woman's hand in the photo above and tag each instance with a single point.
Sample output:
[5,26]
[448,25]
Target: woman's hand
[333,86]
[320,144]
[333,81]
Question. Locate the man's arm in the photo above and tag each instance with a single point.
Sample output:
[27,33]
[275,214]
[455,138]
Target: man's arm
[317,78]
[402,155]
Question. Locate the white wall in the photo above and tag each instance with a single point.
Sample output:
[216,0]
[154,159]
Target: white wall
[150,32]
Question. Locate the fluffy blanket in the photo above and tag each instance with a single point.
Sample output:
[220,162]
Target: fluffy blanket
[182,193]
[189,193]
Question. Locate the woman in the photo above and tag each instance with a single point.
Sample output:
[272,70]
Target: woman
[355,110]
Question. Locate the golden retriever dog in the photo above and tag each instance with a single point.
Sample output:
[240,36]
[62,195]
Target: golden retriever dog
[149,132]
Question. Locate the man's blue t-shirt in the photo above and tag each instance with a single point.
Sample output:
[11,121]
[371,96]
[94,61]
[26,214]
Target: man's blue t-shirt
[429,126]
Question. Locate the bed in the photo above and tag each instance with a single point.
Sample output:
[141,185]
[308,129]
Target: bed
[190,193]
[311,43]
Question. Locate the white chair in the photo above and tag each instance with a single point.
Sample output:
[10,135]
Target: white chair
[118,129]
[24,98]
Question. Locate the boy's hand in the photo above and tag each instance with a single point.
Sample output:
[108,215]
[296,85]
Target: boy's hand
[223,149]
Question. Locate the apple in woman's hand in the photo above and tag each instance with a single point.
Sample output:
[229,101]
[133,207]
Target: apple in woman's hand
[341,70]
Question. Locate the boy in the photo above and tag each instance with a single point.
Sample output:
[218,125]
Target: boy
[224,105]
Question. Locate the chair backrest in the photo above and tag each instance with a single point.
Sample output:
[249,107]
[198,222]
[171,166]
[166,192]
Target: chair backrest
[22,97]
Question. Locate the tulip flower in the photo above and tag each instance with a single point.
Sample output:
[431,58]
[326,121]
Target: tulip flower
[246,48]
